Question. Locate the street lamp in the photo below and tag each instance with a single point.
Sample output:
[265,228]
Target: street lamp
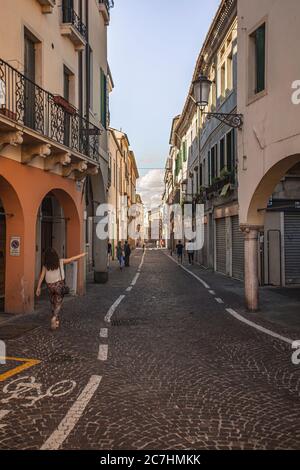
[201,90]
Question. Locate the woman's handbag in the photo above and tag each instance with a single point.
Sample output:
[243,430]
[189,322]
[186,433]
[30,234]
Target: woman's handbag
[65,290]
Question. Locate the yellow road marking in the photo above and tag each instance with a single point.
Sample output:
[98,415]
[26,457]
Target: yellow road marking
[27,363]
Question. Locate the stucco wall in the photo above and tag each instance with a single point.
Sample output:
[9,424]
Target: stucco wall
[269,143]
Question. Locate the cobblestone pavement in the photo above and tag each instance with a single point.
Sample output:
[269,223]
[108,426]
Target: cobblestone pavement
[180,373]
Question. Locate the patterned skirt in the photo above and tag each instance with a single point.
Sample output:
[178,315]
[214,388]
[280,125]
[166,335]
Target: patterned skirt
[56,296]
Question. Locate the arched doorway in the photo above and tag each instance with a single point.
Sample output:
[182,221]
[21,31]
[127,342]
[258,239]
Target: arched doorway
[2,255]
[59,226]
[272,232]
[12,299]
[51,230]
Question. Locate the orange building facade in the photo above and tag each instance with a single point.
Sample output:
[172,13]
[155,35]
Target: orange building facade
[53,141]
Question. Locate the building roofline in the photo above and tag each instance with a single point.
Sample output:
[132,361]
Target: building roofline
[212,36]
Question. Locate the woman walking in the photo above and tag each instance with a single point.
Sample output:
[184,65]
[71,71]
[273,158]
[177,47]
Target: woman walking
[54,274]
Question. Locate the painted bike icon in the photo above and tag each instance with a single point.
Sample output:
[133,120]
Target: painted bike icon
[26,388]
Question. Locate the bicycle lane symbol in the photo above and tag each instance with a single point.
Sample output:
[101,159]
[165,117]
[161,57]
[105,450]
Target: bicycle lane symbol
[29,390]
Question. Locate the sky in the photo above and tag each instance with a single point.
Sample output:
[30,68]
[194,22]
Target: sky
[153,46]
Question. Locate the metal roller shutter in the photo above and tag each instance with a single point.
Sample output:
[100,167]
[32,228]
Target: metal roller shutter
[292,247]
[221,246]
[238,249]
[205,248]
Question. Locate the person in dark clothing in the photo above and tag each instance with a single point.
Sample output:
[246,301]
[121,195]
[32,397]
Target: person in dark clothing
[190,251]
[179,250]
[127,252]
[109,253]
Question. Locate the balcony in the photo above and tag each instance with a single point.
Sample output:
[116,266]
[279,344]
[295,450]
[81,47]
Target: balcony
[47,5]
[220,186]
[104,8]
[46,124]
[73,27]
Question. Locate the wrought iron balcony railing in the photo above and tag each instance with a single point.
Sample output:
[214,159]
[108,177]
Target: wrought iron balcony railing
[26,103]
[70,16]
[108,3]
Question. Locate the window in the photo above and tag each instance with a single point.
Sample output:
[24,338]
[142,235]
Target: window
[230,150]
[258,59]
[222,154]
[66,84]
[229,72]
[201,175]
[91,79]
[209,168]
[212,164]
[103,99]
[184,155]
[225,66]
[222,83]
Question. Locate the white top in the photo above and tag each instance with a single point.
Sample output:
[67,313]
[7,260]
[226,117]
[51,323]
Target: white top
[56,275]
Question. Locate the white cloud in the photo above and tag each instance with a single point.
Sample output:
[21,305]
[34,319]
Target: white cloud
[151,188]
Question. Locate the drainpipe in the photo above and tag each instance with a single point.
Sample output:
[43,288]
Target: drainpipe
[87,61]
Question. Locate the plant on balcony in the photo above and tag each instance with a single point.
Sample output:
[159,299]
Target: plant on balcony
[8,113]
[200,197]
[60,101]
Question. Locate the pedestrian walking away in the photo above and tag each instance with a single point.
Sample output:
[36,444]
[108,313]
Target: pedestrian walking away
[109,253]
[190,251]
[179,250]
[127,251]
[120,255]
[54,274]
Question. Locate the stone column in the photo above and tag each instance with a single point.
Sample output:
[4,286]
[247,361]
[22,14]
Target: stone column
[251,267]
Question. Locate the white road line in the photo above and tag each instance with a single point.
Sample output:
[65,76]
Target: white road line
[196,277]
[129,289]
[103,352]
[191,273]
[212,292]
[112,309]
[104,333]
[66,426]
[3,413]
[240,317]
[220,301]
[134,280]
[258,327]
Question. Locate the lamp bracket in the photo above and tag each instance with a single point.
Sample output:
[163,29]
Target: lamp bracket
[231,119]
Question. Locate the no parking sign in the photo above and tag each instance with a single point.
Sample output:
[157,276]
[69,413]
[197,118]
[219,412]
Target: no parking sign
[15,246]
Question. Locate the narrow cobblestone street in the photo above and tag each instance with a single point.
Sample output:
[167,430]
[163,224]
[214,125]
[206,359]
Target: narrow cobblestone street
[164,367]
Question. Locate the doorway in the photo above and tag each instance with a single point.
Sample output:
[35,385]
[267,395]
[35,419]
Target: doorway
[30,73]
[2,256]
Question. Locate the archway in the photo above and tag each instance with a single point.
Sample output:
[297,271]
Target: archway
[273,230]
[12,285]
[265,189]
[2,255]
[58,226]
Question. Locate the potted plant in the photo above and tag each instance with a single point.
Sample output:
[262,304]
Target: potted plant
[61,101]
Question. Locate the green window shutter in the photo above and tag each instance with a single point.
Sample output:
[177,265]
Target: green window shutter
[103,99]
[260,46]
[184,151]
[176,167]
